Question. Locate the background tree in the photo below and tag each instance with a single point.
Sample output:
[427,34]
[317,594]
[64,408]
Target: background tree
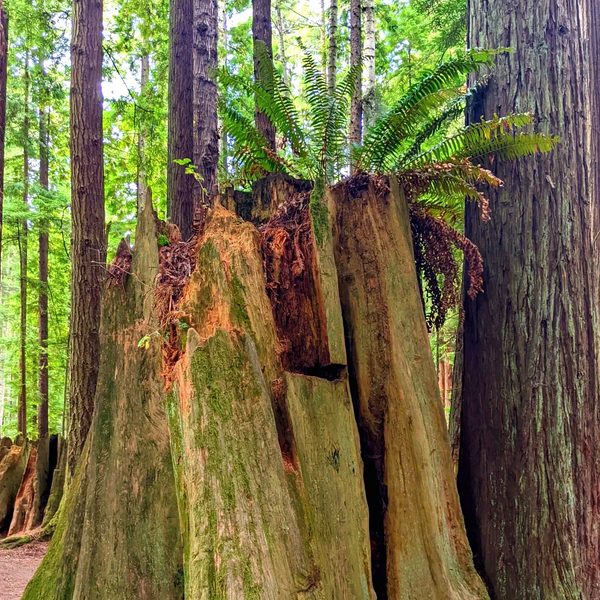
[206,131]
[3,80]
[528,475]
[87,209]
[356,62]
[262,31]
[332,45]
[180,199]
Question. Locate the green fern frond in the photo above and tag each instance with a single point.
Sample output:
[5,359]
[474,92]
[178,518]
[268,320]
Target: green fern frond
[274,99]
[465,143]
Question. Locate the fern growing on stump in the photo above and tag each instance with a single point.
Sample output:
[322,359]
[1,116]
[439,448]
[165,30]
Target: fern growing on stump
[437,162]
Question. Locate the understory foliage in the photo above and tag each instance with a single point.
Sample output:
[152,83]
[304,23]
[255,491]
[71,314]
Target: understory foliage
[419,140]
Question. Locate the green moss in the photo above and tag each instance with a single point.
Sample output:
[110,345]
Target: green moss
[163,240]
[238,313]
[319,212]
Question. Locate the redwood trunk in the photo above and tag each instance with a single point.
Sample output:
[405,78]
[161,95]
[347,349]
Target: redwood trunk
[530,426]
[332,46]
[356,61]
[87,212]
[262,32]
[43,283]
[22,414]
[180,198]
[3,78]
[206,133]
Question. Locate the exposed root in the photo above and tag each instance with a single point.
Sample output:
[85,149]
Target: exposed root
[177,261]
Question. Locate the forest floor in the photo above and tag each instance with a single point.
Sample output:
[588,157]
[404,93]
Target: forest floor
[17,567]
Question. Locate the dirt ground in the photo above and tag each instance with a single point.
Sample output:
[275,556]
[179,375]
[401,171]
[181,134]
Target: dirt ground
[17,567]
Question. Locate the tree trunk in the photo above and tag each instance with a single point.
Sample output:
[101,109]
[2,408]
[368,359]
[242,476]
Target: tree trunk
[43,283]
[223,63]
[117,534]
[332,46]
[88,243]
[206,133]
[369,96]
[58,482]
[142,182]
[3,80]
[180,186]
[418,541]
[356,61]
[22,415]
[262,32]
[530,427]
[281,29]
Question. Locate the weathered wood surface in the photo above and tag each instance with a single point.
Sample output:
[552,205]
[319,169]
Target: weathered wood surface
[12,468]
[419,543]
[253,502]
[118,532]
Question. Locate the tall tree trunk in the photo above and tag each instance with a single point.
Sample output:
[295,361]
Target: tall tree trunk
[43,283]
[281,33]
[369,100]
[530,427]
[332,46]
[180,186]
[223,63]
[206,133]
[22,420]
[87,209]
[3,78]
[355,61]
[142,183]
[262,32]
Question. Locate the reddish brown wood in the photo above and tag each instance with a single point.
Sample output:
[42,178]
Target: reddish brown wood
[529,447]
[88,242]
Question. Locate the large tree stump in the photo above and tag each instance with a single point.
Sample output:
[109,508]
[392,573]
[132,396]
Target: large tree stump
[268,465]
[118,534]
[23,512]
[420,549]
[58,482]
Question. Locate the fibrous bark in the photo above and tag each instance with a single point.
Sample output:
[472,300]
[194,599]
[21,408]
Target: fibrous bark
[22,237]
[23,515]
[418,539]
[118,535]
[529,446]
[206,131]
[180,186]
[369,98]
[356,62]
[88,242]
[262,32]
[332,46]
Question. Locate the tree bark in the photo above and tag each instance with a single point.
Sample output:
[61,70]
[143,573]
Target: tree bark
[22,414]
[529,448]
[369,99]
[3,81]
[262,32]
[206,133]
[418,541]
[87,212]
[43,283]
[142,182]
[332,46]
[281,29]
[355,61]
[12,467]
[180,186]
